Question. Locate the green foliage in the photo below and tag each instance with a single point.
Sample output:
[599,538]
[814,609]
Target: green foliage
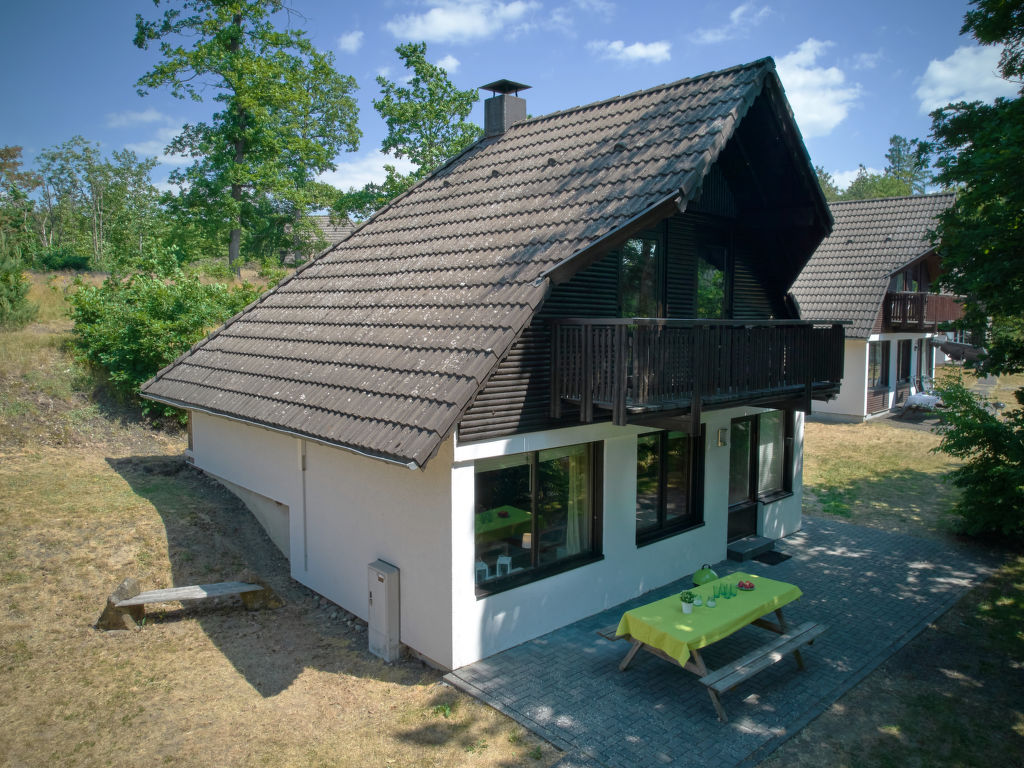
[828,184]
[135,324]
[285,113]
[15,308]
[62,257]
[871,185]
[426,119]
[992,476]
[999,22]
[908,163]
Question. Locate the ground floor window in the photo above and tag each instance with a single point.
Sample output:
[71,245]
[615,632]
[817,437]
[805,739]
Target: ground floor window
[760,456]
[878,364]
[904,350]
[669,475]
[536,513]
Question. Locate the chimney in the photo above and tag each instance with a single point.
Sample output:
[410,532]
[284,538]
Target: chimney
[503,110]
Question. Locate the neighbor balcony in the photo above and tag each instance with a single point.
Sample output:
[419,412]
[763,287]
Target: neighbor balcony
[910,311]
[635,368]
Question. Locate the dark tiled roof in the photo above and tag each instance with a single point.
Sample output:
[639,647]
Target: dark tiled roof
[381,343]
[848,275]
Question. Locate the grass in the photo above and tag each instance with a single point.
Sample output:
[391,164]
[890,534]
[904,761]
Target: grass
[89,495]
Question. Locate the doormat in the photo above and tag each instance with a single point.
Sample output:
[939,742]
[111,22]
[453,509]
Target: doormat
[772,558]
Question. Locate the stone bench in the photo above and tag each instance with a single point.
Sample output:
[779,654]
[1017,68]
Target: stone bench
[126,605]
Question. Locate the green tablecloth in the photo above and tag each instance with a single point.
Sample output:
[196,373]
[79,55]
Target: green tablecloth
[663,625]
[491,525]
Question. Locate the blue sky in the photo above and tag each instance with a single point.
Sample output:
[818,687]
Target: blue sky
[855,72]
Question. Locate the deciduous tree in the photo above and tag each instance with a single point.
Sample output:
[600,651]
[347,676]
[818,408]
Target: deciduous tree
[285,113]
[426,119]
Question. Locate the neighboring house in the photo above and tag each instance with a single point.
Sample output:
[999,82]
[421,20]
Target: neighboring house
[876,270]
[559,372]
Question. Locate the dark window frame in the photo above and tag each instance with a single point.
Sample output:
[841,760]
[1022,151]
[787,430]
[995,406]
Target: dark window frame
[884,351]
[904,360]
[695,493]
[788,441]
[537,572]
[659,235]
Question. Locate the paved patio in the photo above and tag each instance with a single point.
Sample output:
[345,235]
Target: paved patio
[875,590]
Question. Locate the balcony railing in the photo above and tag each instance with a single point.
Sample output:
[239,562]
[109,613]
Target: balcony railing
[919,311]
[641,365]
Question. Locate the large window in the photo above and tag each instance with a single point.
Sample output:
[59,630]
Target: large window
[668,484]
[640,277]
[536,513]
[903,352]
[760,457]
[878,364]
[711,282]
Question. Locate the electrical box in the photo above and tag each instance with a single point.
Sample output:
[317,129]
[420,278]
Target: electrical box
[384,631]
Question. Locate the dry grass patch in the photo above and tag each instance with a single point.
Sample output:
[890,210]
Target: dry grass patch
[878,474]
[196,686]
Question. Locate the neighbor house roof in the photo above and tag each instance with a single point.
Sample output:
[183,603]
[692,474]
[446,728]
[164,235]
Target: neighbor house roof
[332,230]
[380,344]
[848,276]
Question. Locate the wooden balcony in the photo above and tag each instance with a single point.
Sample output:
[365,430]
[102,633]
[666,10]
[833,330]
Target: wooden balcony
[635,367]
[906,311]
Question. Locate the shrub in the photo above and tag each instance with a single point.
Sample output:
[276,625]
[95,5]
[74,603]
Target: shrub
[62,257]
[992,476]
[133,325]
[15,308]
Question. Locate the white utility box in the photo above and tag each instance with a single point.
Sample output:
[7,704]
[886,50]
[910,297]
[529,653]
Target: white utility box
[384,617]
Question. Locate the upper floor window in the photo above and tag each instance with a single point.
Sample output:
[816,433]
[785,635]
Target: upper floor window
[536,513]
[640,277]
[711,282]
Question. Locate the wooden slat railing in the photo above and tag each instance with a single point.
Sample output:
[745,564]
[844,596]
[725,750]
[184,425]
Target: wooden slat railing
[643,363]
[919,311]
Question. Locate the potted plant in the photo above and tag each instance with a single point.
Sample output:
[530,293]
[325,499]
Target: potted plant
[686,599]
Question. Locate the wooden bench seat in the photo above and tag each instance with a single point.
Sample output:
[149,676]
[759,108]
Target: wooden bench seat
[728,677]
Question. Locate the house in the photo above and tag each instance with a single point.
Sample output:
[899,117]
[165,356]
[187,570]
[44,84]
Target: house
[332,231]
[555,374]
[876,270]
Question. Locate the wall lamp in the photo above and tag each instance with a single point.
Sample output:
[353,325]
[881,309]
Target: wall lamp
[723,436]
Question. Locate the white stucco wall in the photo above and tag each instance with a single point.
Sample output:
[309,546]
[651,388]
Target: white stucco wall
[485,626]
[348,511]
[852,399]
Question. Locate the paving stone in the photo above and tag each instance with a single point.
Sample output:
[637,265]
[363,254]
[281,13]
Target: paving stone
[874,590]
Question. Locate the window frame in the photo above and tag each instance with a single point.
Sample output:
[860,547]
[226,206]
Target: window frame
[695,493]
[661,267]
[884,351]
[788,442]
[537,571]
[904,358]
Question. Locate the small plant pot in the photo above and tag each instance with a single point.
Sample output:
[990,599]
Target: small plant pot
[687,607]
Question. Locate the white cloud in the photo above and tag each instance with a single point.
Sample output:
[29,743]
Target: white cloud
[616,49]
[460,21]
[741,20]
[449,64]
[843,179]
[968,75]
[351,41]
[155,146]
[122,119]
[867,60]
[820,96]
[364,169]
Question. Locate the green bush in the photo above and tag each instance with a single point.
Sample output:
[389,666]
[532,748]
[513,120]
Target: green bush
[992,476]
[62,258]
[15,308]
[133,325]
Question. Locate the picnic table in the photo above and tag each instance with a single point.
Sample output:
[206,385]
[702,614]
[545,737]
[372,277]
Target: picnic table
[662,629]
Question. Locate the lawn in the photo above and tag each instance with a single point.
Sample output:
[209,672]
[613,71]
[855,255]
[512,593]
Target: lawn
[90,494]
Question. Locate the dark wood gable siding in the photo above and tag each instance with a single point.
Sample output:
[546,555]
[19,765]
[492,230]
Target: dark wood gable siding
[517,396]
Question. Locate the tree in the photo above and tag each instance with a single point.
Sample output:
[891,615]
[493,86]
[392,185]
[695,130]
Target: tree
[980,149]
[908,162]
[17,209]
[427,124]
[870,185]
[828,184]
[285,114]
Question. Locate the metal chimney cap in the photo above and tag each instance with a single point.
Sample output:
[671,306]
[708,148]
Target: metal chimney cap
[505,86]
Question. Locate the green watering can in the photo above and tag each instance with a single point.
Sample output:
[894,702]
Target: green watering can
[704,575]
